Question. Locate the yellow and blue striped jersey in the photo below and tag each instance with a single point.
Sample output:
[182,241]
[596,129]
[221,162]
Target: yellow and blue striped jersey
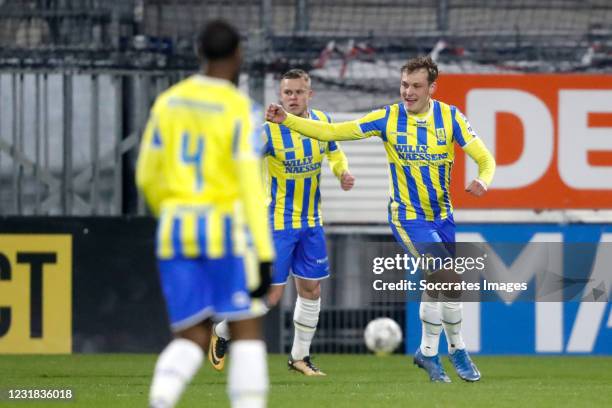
[294,174]
[420,152]
[200,171]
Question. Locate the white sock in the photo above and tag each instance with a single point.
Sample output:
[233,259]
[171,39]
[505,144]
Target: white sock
[452,315]
[222,330]
[247,384]
[305,319]
[175,367]
[431,328]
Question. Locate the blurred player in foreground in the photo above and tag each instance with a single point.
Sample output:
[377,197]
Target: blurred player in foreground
[294,171]
[200,171]
[418,135]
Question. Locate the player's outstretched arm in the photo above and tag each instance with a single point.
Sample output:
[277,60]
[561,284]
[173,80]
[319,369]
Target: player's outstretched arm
[478,152]
[313,128]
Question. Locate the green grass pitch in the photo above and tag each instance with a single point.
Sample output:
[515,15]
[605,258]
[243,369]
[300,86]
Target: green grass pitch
[122,380]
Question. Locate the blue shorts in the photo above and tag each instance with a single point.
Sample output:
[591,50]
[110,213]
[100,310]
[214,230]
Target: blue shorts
[197,289]
[301,251]
[420,237]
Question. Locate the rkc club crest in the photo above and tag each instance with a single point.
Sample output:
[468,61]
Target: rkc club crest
[441,135]
[321,146]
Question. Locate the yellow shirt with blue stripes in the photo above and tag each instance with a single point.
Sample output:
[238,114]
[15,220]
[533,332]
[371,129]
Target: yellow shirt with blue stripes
[294,174]
[199,169]
[420,152]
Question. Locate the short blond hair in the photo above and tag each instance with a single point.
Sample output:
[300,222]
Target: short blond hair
[295,74]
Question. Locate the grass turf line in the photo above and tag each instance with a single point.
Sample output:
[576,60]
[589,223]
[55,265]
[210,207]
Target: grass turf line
[122,380]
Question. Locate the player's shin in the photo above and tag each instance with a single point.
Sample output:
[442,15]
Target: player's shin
[175,367]
[431,327]
[248,374]
[305,319]
[452,315]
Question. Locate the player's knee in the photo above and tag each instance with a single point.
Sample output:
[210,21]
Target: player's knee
[315,293]
[309,289]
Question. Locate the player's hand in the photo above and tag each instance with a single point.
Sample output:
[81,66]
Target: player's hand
[275,113]
[477,188]
[347,181]
[265,279]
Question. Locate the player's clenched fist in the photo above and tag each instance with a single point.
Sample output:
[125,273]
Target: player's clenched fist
[347,181]
[275,113]
[477,188]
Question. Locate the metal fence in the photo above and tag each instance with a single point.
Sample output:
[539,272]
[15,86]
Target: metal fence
[68,139]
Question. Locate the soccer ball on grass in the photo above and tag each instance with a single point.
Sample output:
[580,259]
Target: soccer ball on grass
[382,335]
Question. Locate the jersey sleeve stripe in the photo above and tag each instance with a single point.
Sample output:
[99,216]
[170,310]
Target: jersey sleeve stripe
[457,128]
[376,123]
[370,126]
[383,125]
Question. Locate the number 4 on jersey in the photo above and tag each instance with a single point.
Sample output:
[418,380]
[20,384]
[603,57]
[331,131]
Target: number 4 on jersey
[194,158]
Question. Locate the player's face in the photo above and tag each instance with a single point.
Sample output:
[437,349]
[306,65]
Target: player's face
[416,90]
[295,95]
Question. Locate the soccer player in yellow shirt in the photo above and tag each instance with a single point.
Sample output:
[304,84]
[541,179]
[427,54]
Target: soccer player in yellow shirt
[418,135]
[200,171]
[294,170]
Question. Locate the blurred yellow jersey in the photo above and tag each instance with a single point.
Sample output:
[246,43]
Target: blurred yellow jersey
[200,171]
[294,174]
